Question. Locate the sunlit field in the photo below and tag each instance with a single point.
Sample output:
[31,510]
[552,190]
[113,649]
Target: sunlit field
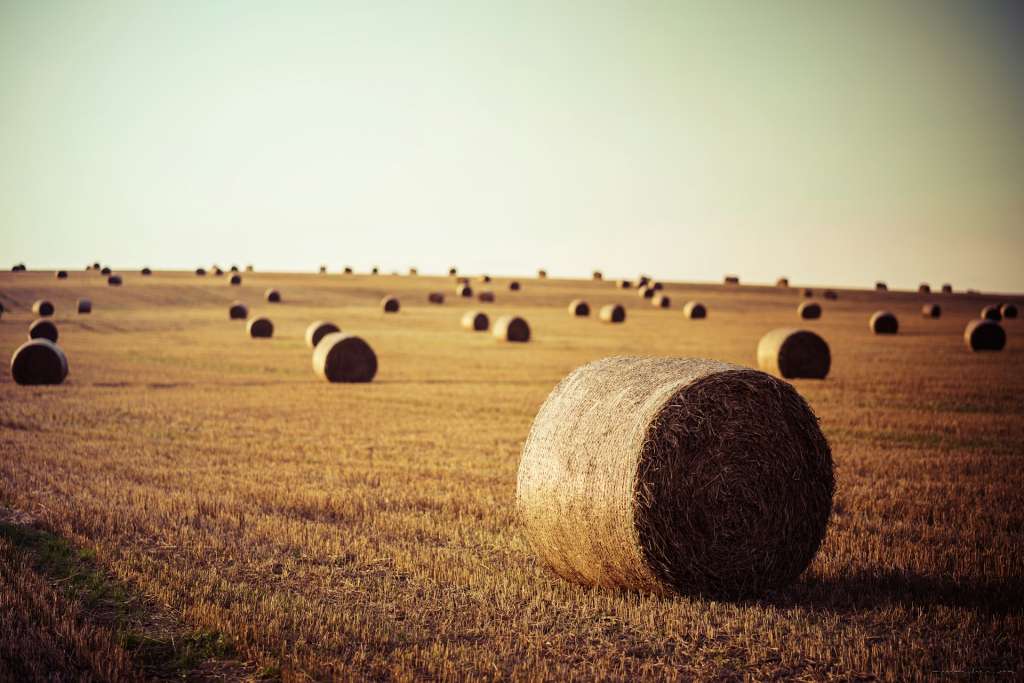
[193,502]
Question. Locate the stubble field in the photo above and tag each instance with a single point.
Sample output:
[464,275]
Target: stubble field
[193,502]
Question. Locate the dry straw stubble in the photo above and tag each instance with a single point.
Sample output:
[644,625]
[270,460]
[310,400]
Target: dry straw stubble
[675,475]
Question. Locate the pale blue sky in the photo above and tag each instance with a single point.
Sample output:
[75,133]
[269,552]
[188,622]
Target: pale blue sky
[834,143]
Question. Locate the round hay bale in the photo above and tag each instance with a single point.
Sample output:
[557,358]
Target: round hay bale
[511,328]
[146,271]
[486,297]
[695,310]
[453,271]
[931,311]
[947,288]
[348,270]
[200,271]
[646,292]
[435,298]
[598,275]
[579,307]
[217,271]
[984,335]
[884,322]
[808,292]
[235,280]
[62,275]
[1008,310]
[375,271]
[642,281]
[661,300]
[39,361]
[612,313]
[249,268]
[260,328]
[831,294]
[542,274]
[675,475]
[413,271]
[114,280]
[323,270]
[514,286]
[732,279]
[18,268]
[389,304]
[42,307]
[623,284]
[793,354]
[782,282]
[656,286]
[924,288]
[341,357]
[992,312]
[238,311]
[234,268]
[809,310]
[105,270]
[84,306]
[475,321]
[273,296]
[96,265]
[43,329]
[484,278]
[464,291]
[318,330]
[881,287]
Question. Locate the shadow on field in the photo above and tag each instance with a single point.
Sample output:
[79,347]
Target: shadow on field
[869,590]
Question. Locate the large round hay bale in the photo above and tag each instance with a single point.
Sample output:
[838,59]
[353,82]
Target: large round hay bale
[675,475]
[84,306]
[646,292]
[808,292]
[61,275]
[511,328]
[514,286]
[341,357]
[947,288]
[43,328]
[42,307]
[200,271]
[475,321]
[260,328]
[660,300]
[235,280]
[486,297]
[39,361]
[793,354]
[146,271]
[273,296]
[695,310]
[984,335]
[831,294]
[924,288]
[464,291]
[1008,310]
[389,304]
[884,322]
[881,287]
[318,330]
[579,307]
[238,311]
[992,312]
[931,311]
[623,284]
[732,279]
[809,310]
[782,282]
[435,298]
[598,275]
[612,313]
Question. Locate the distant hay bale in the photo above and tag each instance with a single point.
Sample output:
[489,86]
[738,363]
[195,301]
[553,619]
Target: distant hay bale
[475,321]
[96,266]
[881,287]
[462,280]
[235,280]
[794,354]
[273,296]
[413,271]
[511,328]
[84,306]
[1008,310]
[623,284]
[924,288]
[695,310]
[260,328]
[18,268]
[217,271]
[947,288]
[146,271]
[646,292]
[318,330]
[831,294]
[39,361]
[484,278]
[348,270]
[675,475]
[612,313]
[782,282]
[238,311]
[44,328]
[931,311]
[732,279]
[598,275]
[486,297]
[435,298]
[809,310]
[642,281]
[884,322]
[992,312]
[341,357]
[62,275]
[514,286]
[375,271]
[656,286]
[984,335]
[660,300]
[42,307]
[114,280]
[234,268]
[200,271]
[105,270]
[249,268]
[579,307]
[323,270]
[464,291]
[389,304]
[542,274]
[453,271]
[808,292]
[973,291]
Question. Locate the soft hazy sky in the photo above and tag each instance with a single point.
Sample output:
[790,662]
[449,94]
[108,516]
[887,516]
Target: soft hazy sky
[834,142]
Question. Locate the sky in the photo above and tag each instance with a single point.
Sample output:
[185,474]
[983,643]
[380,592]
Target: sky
[833,143]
